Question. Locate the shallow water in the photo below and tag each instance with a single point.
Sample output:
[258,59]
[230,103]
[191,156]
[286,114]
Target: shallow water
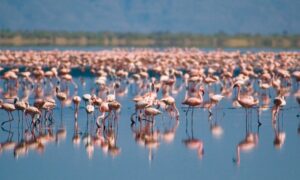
[62,159]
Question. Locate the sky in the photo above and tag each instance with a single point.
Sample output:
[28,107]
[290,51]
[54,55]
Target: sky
[192,16]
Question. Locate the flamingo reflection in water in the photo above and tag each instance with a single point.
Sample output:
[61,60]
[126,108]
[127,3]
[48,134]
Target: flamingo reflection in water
[76,135]
[8,144]
[106,137]
[213,118]
[61,132]
[87,137]
[277,123]
[249,142]
[21,149]
[34,138]
[146,136]
[279,133]
[43,135]
[191,142]
[169,132]
[100,141]
[215,126]
[111,137]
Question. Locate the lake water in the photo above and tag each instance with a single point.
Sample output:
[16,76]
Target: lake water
[170,158]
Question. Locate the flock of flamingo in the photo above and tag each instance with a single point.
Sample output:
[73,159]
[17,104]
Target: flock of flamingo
[35,83]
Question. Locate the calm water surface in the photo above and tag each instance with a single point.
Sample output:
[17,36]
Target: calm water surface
[61,159]
[171,159]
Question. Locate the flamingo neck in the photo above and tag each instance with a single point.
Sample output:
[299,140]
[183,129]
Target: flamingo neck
[239,93]
[167,94]
[114,93]
[186,83]
[200,95]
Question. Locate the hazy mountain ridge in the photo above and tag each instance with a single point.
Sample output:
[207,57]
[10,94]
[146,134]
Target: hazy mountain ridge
[200,16]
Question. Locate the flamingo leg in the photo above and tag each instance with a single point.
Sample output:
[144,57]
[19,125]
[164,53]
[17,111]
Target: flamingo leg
[132,118]
[19,115]
[246,120]
[176,111]
[192,112]
[9,119]
[258,118]
[75,85]
[187,111]
[12,117]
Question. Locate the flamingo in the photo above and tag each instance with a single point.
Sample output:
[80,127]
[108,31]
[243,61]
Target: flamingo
[279,138]
[61,96]
[76,100]
[194,101]
[246,101]
[214,100]
[246,145]
[34,112]
[20,106]
[170,101]
[86,98]
[151,112]
[89,108]
[279,102]
[48,106]
[9,108]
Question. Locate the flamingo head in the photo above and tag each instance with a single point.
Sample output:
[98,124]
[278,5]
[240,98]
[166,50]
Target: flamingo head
[93,97]
[236,85]
[117,85]
[157,89]
[201,89]
[15,100]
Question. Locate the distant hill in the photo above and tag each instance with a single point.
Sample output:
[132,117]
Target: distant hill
[196,16]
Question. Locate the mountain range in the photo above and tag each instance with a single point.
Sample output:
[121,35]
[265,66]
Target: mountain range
[194,16]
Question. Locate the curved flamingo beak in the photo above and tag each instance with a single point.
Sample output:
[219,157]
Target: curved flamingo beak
[202,90]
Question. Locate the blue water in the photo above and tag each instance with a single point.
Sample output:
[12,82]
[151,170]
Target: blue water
[61,159]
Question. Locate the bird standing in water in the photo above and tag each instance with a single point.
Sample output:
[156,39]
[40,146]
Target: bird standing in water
[246,101]
[9,108]
[194,101]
